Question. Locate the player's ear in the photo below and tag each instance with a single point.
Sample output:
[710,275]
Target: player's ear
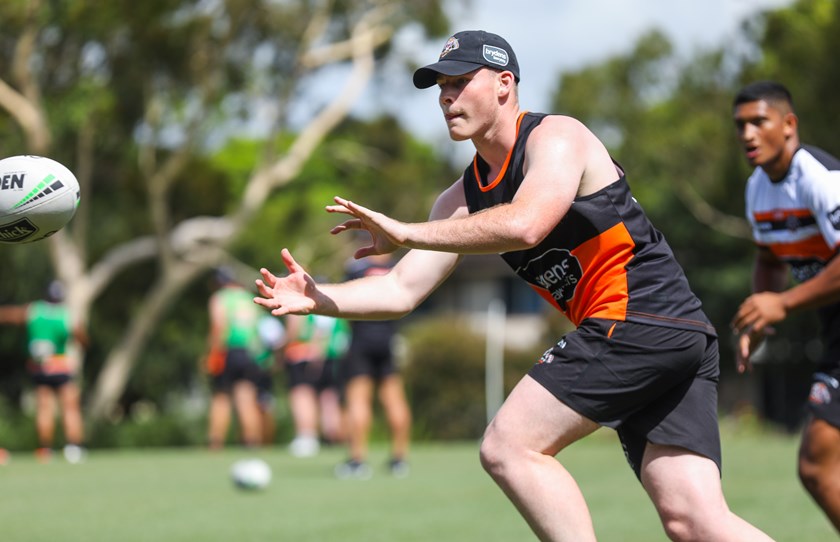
[791,123]
[506,82]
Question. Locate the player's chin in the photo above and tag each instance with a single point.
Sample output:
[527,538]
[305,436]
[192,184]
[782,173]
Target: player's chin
[457,135]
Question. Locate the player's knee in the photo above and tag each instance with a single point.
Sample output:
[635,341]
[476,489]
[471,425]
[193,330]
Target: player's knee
[809,474]
[490,452]
[684,526]
[499,453]
[696,517]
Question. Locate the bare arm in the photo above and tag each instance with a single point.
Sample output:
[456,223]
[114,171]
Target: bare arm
[81,336]
[818,291]
[558,155]
[772,302]
[13,314]
[770,274]
[217,318]
[376,297]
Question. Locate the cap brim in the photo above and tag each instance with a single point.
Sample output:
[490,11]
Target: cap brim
[426,76]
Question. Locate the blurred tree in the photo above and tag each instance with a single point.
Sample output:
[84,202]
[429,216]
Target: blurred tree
[132,95]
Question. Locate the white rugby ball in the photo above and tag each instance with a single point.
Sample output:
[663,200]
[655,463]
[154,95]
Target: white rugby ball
[251,474]
[38,197]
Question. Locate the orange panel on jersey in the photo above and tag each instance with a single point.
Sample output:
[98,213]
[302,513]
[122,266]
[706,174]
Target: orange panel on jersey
[603,292]
[779,214]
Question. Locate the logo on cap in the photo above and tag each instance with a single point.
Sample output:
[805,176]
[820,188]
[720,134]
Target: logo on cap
[451,45]
[495,55]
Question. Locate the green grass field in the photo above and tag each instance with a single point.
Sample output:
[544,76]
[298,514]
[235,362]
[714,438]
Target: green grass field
[186,495]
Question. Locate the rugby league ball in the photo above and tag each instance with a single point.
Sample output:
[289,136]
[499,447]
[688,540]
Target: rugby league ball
[250,474]
[38,197]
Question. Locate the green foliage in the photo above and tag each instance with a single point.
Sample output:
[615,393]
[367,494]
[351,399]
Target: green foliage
[798,46]
[375,163]
[124,86]
[156,431]
[444,377]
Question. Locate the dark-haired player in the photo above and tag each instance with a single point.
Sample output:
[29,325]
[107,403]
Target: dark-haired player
[793,203]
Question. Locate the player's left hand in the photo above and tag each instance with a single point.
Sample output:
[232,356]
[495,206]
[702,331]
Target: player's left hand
[296,293]
[386,233]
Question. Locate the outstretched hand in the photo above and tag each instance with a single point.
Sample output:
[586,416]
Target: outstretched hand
[386,233]
[296,293]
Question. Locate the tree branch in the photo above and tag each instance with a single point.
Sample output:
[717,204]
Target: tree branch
[364,41]
[711,217]
[25,106]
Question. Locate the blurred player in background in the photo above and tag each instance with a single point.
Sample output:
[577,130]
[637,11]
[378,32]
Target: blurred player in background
[333,423]
[272,338]
[311,354]
[233,342]
[55,353]
[544,193]
[793,204]
[369,366]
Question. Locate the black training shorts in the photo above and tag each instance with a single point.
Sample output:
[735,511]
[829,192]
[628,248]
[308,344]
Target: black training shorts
[239,366]
[51,380]
[824,398]
[364,358]
[320,375]
[650,383]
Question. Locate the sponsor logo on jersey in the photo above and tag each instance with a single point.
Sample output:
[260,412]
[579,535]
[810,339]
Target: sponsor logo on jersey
[792,223]
[834,217]
[495,55]
[558,271]
[803,271]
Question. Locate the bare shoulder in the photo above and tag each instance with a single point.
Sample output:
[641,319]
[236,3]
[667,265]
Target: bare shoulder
[571,145]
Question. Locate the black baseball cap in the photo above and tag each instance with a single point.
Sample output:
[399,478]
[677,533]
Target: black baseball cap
[467,51]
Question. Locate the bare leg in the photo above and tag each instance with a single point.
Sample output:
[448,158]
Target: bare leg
[248,412]
[819,466]
[45,415]
[69,396]
[267,425]
[219,419]
[359,394]
[686,490]
[303,403]
[518,452]
[332,418]
[398,414]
